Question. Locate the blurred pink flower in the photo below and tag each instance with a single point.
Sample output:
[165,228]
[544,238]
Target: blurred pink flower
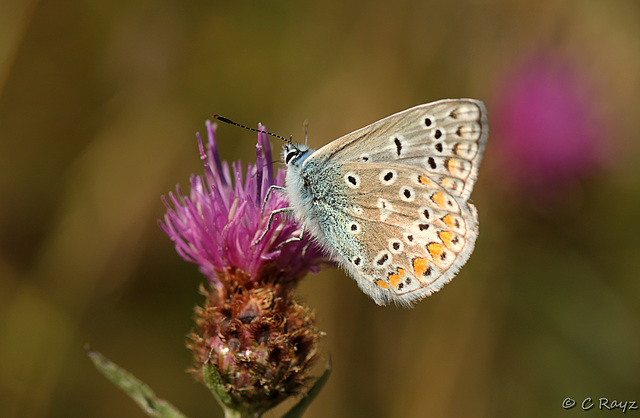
[549,126]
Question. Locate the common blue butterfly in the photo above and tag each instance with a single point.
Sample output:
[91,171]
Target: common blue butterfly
[390,202]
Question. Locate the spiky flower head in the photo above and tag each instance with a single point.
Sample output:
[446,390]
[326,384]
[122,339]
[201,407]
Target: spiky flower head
[259,339]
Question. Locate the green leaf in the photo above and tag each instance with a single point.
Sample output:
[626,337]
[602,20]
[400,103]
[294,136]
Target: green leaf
[138,391]
[301,406]
[214,382]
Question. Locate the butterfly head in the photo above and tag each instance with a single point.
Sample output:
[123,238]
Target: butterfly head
[295,154]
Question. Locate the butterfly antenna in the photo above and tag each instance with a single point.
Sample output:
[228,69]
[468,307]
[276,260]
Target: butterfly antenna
[230,122]
[305,126]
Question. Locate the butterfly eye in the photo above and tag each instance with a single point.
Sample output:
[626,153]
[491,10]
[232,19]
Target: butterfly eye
[290,156]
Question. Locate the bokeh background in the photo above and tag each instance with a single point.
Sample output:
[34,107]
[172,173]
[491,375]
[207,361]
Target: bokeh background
[99,105]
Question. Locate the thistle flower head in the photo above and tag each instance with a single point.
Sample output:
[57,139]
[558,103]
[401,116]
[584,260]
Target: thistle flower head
[218,225]
[258,338]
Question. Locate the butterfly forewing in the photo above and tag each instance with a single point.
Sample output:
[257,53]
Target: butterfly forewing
[445,138]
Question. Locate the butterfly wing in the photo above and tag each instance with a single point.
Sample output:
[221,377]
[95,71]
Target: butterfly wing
[396,215]
[446,138]
[412,235]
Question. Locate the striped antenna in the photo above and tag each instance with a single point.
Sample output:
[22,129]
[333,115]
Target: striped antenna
[230,122]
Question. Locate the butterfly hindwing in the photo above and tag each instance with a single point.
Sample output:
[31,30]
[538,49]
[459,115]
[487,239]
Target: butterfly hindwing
[411,237]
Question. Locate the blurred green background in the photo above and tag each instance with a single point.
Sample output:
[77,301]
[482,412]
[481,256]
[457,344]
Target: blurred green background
[99,105]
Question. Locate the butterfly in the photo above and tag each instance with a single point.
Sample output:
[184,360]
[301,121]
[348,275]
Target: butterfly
[390,201]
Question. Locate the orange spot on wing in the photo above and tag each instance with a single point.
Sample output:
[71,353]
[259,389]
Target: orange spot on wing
[425,181]
[420,266]
[446,237]
[447,182]
[382,284]
[438,198]
[454,166]
[435,250]
[394,279]
[401,272]
[448,220]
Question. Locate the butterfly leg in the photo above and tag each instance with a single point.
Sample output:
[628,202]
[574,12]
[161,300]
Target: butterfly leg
[271,216]
[266,198]
[294,239]
[304,250]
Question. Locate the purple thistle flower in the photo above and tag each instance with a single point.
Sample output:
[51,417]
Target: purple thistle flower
[549,125]
[251,331]
[218,224]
